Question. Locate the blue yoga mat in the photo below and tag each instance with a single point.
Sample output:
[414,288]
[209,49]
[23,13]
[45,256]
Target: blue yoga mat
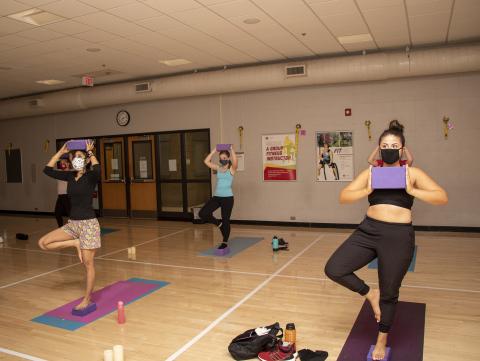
[411,268]
[105,230]
[236,245]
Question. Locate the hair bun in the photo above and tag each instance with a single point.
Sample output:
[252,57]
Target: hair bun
[395,125]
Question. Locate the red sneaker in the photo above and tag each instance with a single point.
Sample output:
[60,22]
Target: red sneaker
[281,353]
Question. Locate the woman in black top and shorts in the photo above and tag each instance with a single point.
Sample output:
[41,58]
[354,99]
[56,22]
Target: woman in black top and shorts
[386,233]
[82,230]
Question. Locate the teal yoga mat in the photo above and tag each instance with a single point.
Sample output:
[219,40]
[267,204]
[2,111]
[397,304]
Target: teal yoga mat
[411,268]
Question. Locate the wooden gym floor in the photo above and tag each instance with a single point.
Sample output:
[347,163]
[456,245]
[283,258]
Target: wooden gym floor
[209,301]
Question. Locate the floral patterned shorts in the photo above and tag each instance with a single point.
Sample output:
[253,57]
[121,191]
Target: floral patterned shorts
[87,231]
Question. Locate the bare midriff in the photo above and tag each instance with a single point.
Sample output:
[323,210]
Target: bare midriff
[390,213]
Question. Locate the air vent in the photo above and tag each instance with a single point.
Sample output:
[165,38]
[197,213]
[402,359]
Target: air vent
[36,103]
[295,70]
[143,87]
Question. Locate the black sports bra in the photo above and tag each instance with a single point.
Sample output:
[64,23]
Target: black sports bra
[396,197]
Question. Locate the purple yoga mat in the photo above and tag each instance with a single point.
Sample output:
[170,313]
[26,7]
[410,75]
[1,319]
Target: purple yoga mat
[221,147]
[405,337]
[77,144]
[106,300]
[388,178]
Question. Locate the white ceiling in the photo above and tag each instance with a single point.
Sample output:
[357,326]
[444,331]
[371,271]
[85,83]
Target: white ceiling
[134,35]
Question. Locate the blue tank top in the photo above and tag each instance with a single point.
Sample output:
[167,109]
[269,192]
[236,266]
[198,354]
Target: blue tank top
[224,184]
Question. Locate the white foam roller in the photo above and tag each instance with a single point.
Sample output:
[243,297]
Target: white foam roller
[108,355]
[118,353]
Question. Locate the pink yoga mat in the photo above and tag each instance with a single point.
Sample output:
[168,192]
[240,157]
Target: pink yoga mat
[106,300]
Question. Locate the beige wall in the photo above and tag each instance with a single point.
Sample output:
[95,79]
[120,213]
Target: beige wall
[419,103]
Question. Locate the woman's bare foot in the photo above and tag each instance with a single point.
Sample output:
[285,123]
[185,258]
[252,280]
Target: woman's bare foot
[380,347]
[373,296]
[83,304]
[79,250]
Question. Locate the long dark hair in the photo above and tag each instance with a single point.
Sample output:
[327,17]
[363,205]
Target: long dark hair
[394,128]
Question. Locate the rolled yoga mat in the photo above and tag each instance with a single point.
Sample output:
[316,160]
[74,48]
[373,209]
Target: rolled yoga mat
[405,337]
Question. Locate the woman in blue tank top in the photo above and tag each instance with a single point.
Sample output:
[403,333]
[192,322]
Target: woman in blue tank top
[223,196]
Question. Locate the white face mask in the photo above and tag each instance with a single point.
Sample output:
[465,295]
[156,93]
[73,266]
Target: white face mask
[78,163]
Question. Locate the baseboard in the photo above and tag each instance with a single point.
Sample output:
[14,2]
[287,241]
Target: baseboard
[31,213]
[283,223]
[353,226]
[26,213]
[295,224]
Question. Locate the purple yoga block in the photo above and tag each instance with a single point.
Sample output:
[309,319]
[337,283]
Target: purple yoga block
[79,144]
[387,354]
[85,311]
[222,252]
[221,147]
[388,178]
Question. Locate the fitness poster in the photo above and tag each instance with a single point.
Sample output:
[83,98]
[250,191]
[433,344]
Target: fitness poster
[334,160]
[279,157]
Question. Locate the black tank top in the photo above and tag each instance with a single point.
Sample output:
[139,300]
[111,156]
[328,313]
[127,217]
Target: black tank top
[396,197]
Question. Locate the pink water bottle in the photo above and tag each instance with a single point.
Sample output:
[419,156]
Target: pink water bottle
[120,312]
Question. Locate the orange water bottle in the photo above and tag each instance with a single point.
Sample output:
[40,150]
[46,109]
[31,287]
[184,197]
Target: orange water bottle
[120,312]
[290,333]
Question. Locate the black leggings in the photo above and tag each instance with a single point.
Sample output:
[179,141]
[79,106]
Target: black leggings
[393,244]
[226,204]
[62,208]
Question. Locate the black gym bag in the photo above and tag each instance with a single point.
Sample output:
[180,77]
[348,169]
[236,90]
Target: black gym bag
[248,345]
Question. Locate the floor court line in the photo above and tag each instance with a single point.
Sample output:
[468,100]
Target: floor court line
[76,264]
[227,271]
[39,275]
[39,251]
[21,355]
[278,276]
[212,325]
[186,267]
[141,244]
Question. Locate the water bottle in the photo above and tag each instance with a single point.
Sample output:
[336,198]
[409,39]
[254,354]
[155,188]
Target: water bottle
[275,243]
[121,312]
[290,333]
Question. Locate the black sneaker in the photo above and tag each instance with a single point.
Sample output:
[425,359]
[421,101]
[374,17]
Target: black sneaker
[282,245]
[309,355]
[222,246]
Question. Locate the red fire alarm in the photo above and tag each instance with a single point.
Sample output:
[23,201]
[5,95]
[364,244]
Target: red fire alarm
[87,80]
[348,112]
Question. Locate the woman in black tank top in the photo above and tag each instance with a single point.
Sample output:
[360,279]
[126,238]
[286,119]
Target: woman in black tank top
[386,233]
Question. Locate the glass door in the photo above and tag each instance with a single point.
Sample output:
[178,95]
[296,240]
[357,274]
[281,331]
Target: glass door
[184,179]
[142,182]
[114,189]
[197,147]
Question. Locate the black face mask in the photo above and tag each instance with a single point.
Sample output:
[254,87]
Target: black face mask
[224,162]
[390,156]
